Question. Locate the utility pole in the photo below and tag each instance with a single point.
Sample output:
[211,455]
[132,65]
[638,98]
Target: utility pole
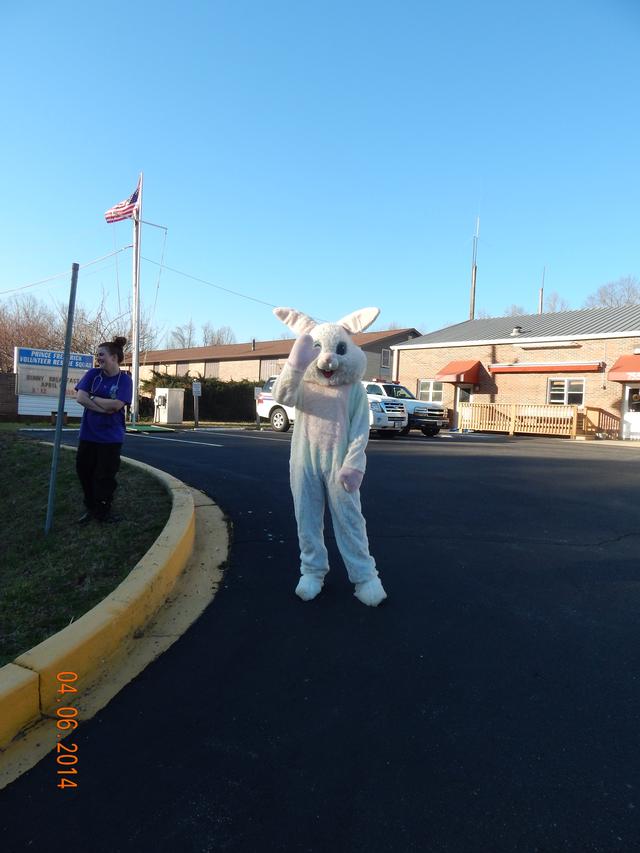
[474,271]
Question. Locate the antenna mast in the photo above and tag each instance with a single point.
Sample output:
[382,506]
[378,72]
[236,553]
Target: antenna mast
[474,271]
[541,299]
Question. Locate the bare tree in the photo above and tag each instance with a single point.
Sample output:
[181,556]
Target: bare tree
[212,337]
[24,321]
[616,294]
[149,334]
[91,328]
[554,302]
[482,314]
[182,337]
[87,326]
[514,311]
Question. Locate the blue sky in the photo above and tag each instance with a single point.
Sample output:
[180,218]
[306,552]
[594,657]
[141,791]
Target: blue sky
[325,155]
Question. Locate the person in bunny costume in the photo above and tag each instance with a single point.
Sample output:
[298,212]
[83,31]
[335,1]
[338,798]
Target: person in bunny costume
[321,378]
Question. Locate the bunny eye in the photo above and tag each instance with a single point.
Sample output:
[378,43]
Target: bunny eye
[317,344]
[341,348]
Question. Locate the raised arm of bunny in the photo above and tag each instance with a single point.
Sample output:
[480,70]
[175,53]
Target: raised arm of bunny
[287,386]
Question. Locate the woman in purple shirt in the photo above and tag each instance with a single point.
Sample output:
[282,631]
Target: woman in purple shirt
[103,391]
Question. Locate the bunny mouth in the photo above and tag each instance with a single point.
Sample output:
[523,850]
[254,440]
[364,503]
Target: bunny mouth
[327,373]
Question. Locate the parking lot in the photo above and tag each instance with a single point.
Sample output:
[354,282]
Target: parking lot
[490,705]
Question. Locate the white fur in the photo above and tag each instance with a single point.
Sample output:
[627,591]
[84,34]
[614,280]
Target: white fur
[322,380]
[371,592]
[308,587]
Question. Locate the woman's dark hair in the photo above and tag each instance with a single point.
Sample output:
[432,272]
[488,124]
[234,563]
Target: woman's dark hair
[115,347]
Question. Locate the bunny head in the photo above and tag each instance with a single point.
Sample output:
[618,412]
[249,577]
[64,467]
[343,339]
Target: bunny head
[339,360]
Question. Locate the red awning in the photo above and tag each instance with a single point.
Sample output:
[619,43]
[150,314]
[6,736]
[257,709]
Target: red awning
[548,367]
[460,371]
[626,369]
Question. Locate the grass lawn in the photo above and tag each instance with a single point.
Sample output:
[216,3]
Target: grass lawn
[46,582]
[14,426]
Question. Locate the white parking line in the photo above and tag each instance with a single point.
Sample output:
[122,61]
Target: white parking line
[177,440]
[210,444]
[262,437]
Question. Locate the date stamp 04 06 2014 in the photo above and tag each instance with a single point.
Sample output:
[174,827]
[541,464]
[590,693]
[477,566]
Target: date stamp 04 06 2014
[66,756]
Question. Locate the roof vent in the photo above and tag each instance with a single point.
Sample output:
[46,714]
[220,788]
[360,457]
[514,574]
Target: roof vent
[517,330]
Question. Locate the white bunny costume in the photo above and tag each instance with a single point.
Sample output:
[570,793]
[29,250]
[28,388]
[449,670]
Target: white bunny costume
[322,380]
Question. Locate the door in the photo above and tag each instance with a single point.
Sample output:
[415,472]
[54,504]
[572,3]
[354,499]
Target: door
[631,412]
[464,394]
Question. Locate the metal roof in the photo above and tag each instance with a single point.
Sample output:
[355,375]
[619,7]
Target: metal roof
[588,322]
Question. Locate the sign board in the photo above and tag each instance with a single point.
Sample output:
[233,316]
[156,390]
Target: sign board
[39,371]
[196,388]
[38,374]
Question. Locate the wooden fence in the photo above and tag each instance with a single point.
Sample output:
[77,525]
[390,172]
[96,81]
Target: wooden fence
[521,418]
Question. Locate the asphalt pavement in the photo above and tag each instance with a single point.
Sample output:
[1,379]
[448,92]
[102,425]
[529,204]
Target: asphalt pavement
[491,704]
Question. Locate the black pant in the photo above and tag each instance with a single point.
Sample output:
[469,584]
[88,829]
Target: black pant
[97,465]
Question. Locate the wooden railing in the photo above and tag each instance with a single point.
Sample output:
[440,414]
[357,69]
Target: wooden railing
[515,418]
[484,417]
[598,423]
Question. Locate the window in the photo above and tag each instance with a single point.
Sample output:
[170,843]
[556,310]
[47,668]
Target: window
[430,390]
[374,389]
[399,392]
[385,358]
[566,392]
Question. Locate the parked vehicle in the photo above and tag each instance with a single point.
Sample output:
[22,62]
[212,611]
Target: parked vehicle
[427,417]
[386,417]
[281,417]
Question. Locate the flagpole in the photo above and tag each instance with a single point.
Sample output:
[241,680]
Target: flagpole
[135,313]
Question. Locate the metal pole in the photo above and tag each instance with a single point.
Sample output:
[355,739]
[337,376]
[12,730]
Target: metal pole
[474,270]
[196,401]
[61,397]
[135,308]
[472,305]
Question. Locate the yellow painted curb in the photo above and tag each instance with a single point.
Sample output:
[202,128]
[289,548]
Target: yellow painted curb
[28,685]
[19,700]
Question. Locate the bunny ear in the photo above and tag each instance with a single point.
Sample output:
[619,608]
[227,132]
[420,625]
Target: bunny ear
[295,320]
[359,320]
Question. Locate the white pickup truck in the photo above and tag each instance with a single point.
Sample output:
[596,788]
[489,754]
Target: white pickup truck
[386,417]
[429,418]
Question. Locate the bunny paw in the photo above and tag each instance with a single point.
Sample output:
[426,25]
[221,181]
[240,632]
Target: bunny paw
[370,592]
[308,587]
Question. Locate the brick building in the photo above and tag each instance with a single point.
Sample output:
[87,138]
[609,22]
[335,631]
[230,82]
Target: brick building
[256,361]
[589,359]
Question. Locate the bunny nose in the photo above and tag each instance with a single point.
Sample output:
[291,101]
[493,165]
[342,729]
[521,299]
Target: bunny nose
[329,362]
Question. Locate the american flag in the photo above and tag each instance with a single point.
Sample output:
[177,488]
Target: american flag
[124,209]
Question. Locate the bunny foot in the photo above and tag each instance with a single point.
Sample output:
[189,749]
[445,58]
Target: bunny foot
[308,587]
[370,592]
